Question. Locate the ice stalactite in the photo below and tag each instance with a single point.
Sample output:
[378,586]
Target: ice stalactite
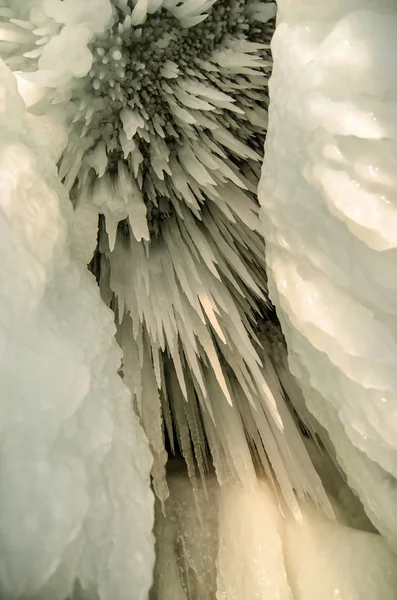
[74,462]
[166,110]
[329,213]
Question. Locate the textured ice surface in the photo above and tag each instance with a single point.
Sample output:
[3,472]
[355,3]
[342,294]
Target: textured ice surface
[330,562]
[329,212]
[250,562]
[186,540]
[230,543]
[74,462]
[228,548]
[168,153]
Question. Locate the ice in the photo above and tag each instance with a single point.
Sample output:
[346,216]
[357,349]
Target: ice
[375,487]
[225,542]
[228,542]
[131,122]
[94,16]
[72,43]
[227,382]
[250,561]
[329,561]
[139,376]
[74,462]
[327,193]
[139,13]
[179,247]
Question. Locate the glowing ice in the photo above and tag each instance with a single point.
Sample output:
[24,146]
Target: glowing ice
[229,542]
[329,216]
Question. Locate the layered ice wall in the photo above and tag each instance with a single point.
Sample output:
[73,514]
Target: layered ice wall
[328,193]
[74,462]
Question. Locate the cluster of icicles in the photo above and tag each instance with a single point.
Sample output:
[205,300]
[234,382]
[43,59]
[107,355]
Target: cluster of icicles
[162,166]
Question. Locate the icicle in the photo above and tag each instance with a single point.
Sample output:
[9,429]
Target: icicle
[139,12]
[132,121]
[98,159]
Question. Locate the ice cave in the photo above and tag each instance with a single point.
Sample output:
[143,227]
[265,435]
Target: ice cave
[198,300]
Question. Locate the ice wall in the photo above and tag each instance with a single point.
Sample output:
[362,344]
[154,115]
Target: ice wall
[328,193]
[238,546]
[328,561]
[74,462]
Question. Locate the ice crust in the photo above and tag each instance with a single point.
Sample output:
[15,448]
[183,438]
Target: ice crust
[328,196]
[74,462]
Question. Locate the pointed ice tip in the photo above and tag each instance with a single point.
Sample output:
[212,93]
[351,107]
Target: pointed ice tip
[272,406]
[139,13]
[111,230]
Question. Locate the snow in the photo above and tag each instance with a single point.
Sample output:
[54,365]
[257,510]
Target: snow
[328,214]
[74,462]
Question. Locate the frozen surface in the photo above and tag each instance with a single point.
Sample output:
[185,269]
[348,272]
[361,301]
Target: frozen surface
[228,543]
[329,213]
[225,545]
[74,462]
[186,540]
[328,561]
[250,561]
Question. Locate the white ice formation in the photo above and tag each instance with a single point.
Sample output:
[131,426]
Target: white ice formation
[74,461]
[155,113]
[241,547]
[328,193]
[165,105]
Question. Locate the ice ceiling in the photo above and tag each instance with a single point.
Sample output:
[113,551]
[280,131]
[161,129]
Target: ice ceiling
[131,141]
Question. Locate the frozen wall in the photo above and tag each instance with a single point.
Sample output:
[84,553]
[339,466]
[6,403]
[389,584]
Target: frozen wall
[74,462]
[328,193]
[235,545]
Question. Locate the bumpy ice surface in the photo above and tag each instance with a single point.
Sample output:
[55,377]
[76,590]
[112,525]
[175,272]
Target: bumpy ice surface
[74,462]
[329,213]
[231,543]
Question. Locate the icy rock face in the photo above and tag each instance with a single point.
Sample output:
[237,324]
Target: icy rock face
[74,462]
[329,213]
